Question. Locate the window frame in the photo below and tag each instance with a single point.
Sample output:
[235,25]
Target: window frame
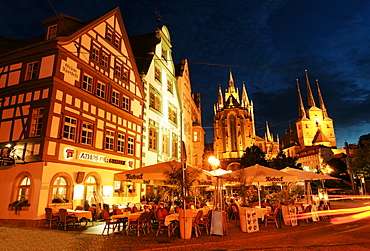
[86,85]
[130,145]
[101,90]
[32,70]
[126,103]
[152,138]
[72,128]
[115,97]
[52,32]
[37,122]
[109,140]
[88,137]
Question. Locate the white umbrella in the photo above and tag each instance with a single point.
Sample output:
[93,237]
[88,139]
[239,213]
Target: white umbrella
[259,175]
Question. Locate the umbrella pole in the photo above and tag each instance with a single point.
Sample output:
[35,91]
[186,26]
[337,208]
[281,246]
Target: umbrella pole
[259,194]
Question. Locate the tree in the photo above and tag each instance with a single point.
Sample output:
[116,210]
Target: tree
[253,155]
[282,161]
[339,168]
[361,158]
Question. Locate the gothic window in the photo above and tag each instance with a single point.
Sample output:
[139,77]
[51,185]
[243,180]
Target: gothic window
[233,134]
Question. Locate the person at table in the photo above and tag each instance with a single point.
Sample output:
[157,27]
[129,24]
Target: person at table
[96,200]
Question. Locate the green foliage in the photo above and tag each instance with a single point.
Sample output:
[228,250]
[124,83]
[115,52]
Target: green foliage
[360,163]
[253,155]
[282,161]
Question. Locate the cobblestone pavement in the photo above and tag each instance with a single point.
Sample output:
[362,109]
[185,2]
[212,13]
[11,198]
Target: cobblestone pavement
[15,238]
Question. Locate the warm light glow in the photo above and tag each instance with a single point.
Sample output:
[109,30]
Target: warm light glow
[78,192]
[8,145]
[107,191]
[218,172]
[213,161]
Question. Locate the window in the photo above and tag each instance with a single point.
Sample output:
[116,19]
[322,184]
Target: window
[86,133]
[121,143]
[172,114]
[52,32]
[169,86]
[100,90]
[104,59]
[117,42]
[36,123]
[95,52]
[109,140]
[152,138]
[24,189]
[155,100]
[165,144]
[157,74]
[164,54]
[125,103]
[87,83]
[112,37]
[118,70]
[125,74]
[130,145]
[174,146]
[32,70]
[195,136]
[115,97]
[60,186]
[109,34]
[69,129]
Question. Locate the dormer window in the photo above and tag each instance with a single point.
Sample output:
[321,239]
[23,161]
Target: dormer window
[52,32]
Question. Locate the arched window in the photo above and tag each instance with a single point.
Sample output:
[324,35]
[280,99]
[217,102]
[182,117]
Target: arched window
[60,187]
[24,189]
[233,134]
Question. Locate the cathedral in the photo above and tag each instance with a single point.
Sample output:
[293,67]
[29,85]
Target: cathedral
[234,127]
[311,138]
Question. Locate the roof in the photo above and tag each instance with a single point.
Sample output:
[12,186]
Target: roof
[143,48]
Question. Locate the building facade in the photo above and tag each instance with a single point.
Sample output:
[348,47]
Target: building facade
[314,129]
[71,115]
[234,127]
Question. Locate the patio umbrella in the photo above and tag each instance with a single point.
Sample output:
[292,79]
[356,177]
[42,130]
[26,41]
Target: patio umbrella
[260,175]
[156,174]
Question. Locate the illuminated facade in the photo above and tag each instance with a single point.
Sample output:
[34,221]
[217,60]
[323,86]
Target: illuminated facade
[192,130]
[313,128]
[162,130]
[72,109]
[234,127]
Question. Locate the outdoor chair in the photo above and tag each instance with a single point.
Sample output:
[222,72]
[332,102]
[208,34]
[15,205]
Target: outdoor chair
[93,212]
[274,218]
[138,224]
[109,223]
[149,221]
[161,225]
[205,222]
[65,219]
[120,221]
[195,223]
[51,219]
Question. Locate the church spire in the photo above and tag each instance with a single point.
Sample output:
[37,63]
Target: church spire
[231,80]
[311,101]
[245,99]
[268,136]
[321,100]
[301,111]
[220,98]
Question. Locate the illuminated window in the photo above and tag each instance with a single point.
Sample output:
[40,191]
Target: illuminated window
[86,133]
[104,59]
[52,32]
[109,140]
[172,114]
[165,144]
[157,74]
[155,100]
[87,83]
[130,145]
[60,187]
[100,90]
[169,86]
[69,129]
[36,123]
[125,103]
[121,143]
[195,136]
[95,52]
[24,189]
[115,97]
[152,138]
[32,70]
[174,146]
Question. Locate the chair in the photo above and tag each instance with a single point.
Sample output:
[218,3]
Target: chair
[235,213]
[106,208]
[79,208]
[109,223]
[120,220]
[195,223]
[161,225]
[138,224]
[65,219]
[205,222]
[149,221]
[93,212]
[274,218]
[50,218]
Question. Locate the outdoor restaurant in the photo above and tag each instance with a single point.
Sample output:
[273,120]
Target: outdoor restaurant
[191,201]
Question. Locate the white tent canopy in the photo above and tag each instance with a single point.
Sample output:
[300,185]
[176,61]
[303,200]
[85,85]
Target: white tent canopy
[156,174]
[304,175]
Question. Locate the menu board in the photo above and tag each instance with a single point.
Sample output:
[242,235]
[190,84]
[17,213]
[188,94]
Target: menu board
[252,221]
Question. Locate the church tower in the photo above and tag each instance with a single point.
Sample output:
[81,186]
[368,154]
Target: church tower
[234,126]
[313,129]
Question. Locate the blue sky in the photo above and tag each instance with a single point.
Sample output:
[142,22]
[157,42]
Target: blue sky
[266,44]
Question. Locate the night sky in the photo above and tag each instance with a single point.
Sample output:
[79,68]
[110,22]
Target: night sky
[266,44]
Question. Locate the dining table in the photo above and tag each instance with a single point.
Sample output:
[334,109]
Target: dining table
[80,214]
[128,215]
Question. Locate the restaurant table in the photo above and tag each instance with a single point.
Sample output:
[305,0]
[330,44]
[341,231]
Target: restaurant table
[261,212]
[171,217]
[131,216]
[80,214]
